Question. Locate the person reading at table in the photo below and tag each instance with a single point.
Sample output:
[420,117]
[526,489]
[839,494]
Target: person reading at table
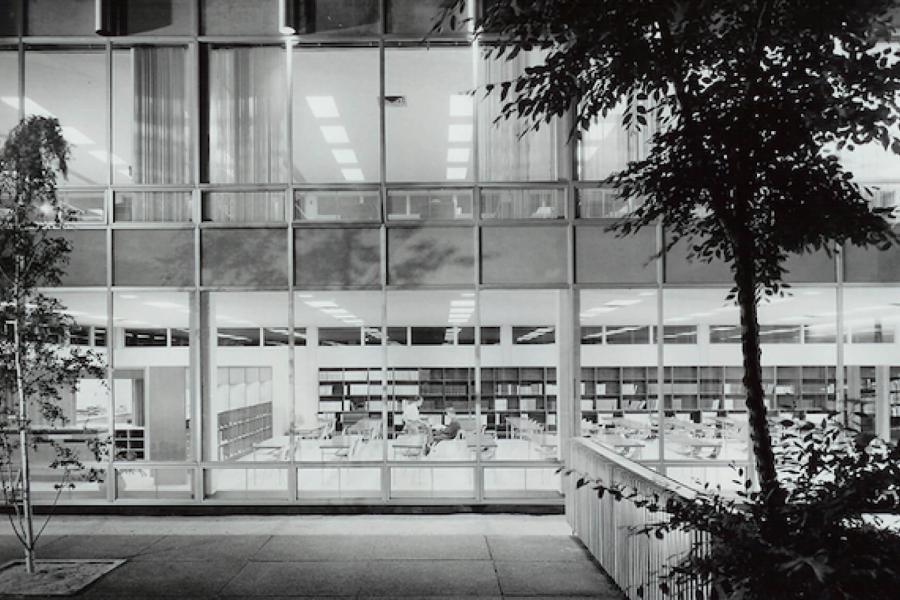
[451,427]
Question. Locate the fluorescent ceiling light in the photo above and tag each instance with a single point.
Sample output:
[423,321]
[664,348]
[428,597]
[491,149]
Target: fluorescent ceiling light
[74,135]
[335,134]
[601,309]
[460,105]
[304,295]
[622,302]
[320,303]
[462,303]
[460,133]
[128,296]
[467,294]
[456,172]
[458,155]
[165,304]
[323,107]
[353,174]
[344,156]
[647,294]
[31,107]
[335,311]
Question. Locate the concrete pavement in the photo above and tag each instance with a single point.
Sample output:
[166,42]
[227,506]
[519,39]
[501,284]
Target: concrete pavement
[448,556]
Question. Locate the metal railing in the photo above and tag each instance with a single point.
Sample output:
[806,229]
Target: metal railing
[607,526]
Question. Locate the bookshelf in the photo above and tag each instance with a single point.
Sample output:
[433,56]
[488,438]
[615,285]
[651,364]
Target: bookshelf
[506,391]
[240,428]
[690,388]
[130,443]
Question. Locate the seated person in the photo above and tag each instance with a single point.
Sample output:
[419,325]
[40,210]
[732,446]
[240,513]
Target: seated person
[412,420]
[451,428]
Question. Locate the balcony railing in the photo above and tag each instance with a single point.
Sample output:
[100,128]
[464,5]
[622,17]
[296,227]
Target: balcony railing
[607,526]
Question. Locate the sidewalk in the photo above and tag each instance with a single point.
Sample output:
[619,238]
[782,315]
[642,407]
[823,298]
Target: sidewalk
[508,556]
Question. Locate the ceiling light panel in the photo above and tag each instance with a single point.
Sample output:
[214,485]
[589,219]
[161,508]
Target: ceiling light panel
[323,107]
[344,156]
[458,155]
[335,134]
[461,105]
[459,133]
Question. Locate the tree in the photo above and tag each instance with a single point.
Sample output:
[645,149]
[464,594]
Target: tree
[748,102]
[35,368]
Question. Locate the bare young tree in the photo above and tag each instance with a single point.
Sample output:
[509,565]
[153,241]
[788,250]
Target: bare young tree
[36,366]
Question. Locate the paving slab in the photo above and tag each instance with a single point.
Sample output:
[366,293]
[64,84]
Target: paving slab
[203,547]
[296,579]
[555,579]
[402,578]
[99,546]
[178,578]
[383,547]
[537,548]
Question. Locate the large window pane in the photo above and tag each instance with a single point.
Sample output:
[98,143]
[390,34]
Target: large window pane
[603,257]
[83,206]
[340,17]
[429,205]
[87,261]
[163,257]
[519,390]
[433,392]
[428,115]
[335,116]
[9,90]
[430,255]
[516,255]
[417,16]
[506,152]
[239,17]
[251,404]
[10,14]
[226,253]
[151,382]
[60,17]
[618,369]
[606,147]
[247,115]
[151,122]
[344,257]
[339,393]
[243,207]
[362,205]
[83,412]
[158,17]
[522,204]
[81,110]
[152,207]
[872,374]
[871,264]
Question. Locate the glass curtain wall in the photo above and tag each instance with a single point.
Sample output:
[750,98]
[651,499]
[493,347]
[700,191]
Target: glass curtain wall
[283,243]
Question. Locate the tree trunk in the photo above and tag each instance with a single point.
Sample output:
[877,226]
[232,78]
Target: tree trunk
[20,308]
[745,278]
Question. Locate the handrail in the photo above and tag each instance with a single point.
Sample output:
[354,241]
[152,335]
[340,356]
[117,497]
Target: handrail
[607,526]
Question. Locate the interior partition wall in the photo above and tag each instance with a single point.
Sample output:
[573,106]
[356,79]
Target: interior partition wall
[304,258]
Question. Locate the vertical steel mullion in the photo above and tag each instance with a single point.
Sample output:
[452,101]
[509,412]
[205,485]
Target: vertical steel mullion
[476,215]
[840,402]
[111,486]
[382,263]
[293,475]
[198,364]
[660,350]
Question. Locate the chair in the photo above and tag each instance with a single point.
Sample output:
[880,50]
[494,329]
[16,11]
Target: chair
[410,445]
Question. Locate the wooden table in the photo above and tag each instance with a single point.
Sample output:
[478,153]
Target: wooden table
[697,445]
[412,445]
[621,444]
[337,444]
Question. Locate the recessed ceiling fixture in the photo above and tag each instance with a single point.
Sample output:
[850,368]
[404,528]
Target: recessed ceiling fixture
[458,155]
[353,174]
[335,134]
[456,173]
[344,156]
[459,133]
[323,107]
[461,105]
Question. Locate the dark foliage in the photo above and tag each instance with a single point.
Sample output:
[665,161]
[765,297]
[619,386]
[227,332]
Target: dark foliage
[826,542]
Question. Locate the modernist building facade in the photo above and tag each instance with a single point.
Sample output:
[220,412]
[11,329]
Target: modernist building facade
[282,240]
